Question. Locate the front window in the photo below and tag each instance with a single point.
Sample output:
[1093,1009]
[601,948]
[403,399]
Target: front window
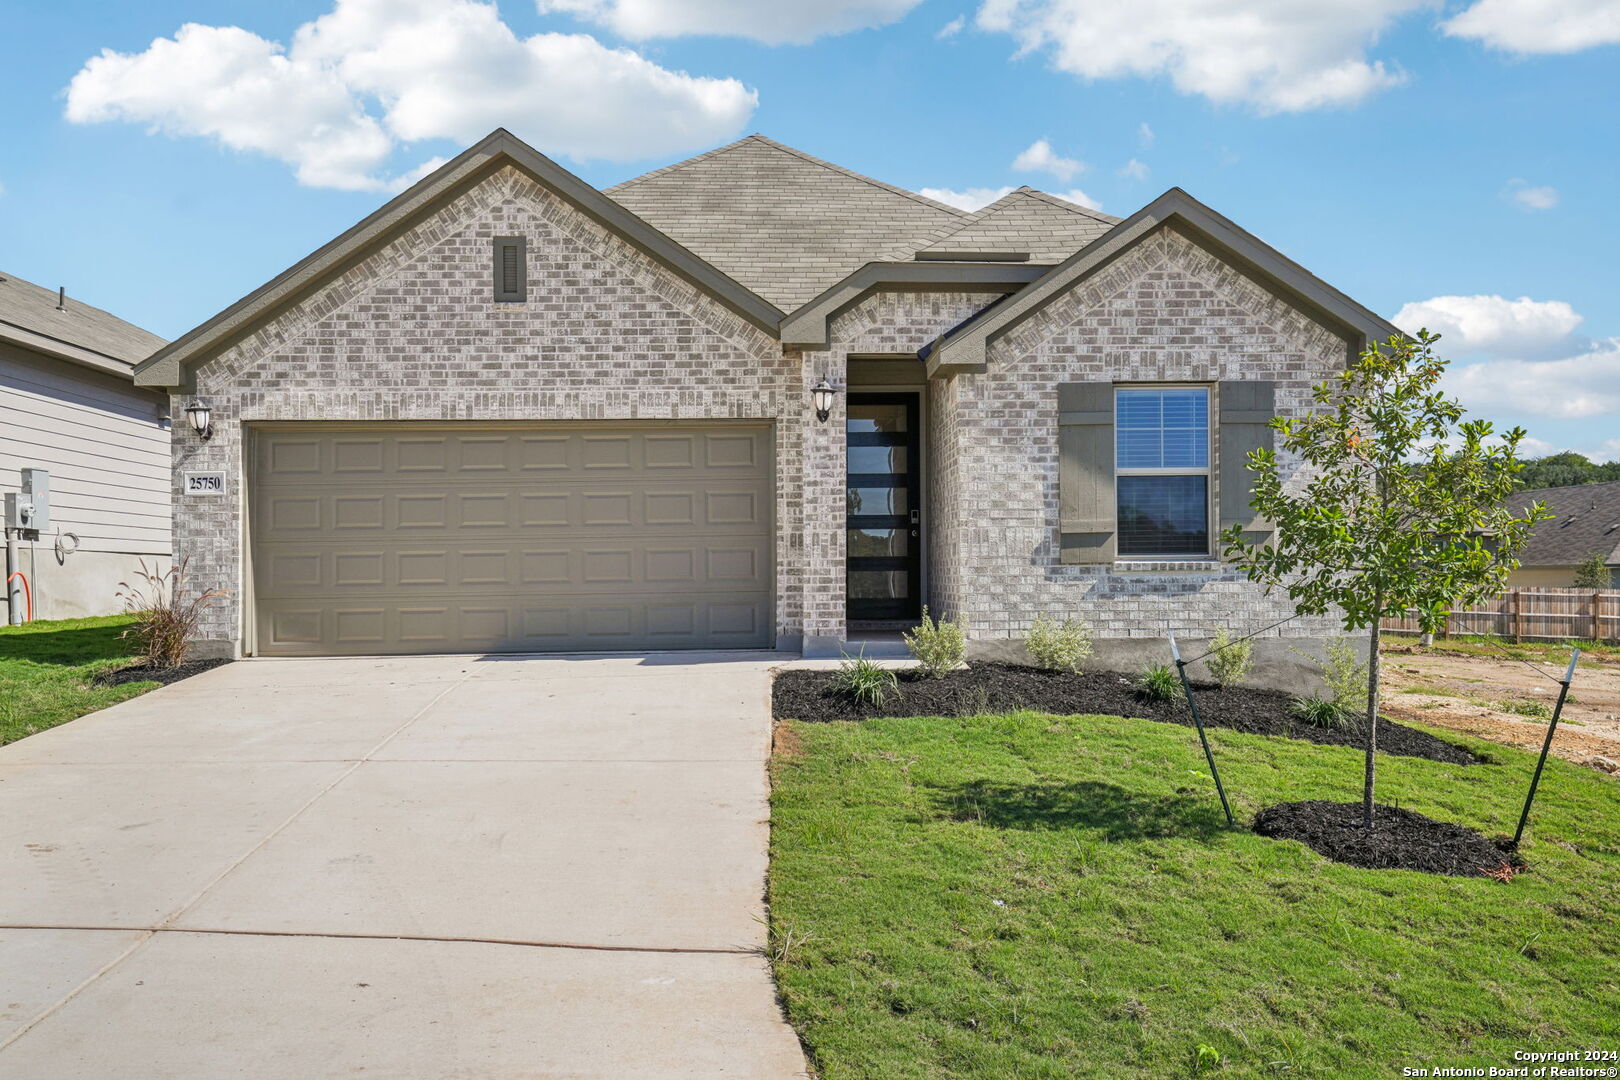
[1161,465]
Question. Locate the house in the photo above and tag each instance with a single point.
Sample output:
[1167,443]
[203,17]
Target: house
[750,400]
[1586,519]
[69,406]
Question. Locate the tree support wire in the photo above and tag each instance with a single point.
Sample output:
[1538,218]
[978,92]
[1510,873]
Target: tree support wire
[1198,721]
[1563,692]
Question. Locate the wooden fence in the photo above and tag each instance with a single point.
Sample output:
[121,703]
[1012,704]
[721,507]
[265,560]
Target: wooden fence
[1535,615]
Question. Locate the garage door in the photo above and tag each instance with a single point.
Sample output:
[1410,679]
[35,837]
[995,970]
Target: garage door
[409,538]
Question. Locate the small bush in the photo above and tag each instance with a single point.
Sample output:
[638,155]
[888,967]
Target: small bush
[1322,712]
[1058,646]
[1158,683]
[1593,573]
[937,646]
[1230,661]
[165,618]
[1345,673]
[864,680]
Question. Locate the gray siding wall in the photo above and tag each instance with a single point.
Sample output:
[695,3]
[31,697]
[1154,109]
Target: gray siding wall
[100,439]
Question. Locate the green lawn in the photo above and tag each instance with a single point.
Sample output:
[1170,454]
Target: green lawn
[1031,896]
[45,668]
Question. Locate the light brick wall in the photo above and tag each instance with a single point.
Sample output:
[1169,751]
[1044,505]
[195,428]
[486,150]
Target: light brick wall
[1167,310]
[412,333]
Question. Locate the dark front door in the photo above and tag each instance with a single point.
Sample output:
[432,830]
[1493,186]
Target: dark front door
[885,537]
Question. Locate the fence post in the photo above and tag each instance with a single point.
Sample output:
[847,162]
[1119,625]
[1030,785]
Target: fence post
[1597,613]
[1516,598]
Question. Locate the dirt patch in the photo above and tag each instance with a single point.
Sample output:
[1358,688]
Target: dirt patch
[1507,701]
[1399,839]
[993,688]
[140,672]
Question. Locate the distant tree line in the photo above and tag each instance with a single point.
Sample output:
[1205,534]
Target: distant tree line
[1566,470]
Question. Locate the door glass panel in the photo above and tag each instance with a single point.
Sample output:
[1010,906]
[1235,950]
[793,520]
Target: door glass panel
[864,542]
[877,459]
[872,418]
[876,500]
[878,585]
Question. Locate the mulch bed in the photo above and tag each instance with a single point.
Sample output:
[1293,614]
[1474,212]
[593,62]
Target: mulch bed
[140,672]
[990,688]
[1399,839]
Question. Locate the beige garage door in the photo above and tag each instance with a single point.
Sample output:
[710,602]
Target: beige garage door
[429,537]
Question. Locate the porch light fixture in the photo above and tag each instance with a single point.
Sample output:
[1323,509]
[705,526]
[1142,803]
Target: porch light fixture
[202,419]
[822,395]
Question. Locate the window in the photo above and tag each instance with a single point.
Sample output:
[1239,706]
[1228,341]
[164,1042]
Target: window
[1161,463]
[511,269]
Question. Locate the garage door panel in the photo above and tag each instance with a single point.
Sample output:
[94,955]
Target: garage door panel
[414,538]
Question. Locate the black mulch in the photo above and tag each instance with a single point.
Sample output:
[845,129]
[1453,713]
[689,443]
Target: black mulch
[1399,839]
[988,688]
[140,672]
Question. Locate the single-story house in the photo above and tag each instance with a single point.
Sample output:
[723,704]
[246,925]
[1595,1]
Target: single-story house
[750,400]
[96,445]
[1586,519]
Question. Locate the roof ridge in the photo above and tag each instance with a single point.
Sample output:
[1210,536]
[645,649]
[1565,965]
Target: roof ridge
[1054,200]
[683,163]
[862,177]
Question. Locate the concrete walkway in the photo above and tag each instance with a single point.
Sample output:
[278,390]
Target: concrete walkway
[426,867]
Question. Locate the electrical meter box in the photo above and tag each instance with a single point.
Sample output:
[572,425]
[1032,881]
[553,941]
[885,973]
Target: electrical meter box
[30,508]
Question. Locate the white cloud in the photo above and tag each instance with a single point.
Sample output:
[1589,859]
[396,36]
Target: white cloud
[371,75]
[1078,197]
[1532,198]
[969,199]
[1278,55]
[1583,385]
[951,29]
[1145,136]
[776,22]
[1039,157]
[1494,324]
[1538,26]
[1134,169]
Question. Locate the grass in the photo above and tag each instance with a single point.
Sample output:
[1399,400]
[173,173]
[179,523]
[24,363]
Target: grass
[1538,652]
[45,669]
[1033,897]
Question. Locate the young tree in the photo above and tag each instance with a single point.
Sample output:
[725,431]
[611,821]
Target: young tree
[1402,506]
[1592,573]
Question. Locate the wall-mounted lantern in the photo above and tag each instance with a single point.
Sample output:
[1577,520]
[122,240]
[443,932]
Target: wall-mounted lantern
[202,419]
[821,395]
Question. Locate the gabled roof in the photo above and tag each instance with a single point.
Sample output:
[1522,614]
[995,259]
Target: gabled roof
[78,333]
[784,223]
[497,150]
[1586,518]
[1041,227]
[967,347]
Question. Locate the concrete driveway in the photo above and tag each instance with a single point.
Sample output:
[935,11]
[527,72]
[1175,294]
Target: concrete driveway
[434,867]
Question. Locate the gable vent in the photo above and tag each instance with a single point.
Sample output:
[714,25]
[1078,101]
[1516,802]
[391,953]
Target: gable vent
[511,269]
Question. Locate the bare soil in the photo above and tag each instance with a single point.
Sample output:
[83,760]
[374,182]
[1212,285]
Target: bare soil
[1478,696]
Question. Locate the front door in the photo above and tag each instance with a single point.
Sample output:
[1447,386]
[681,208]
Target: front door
[884,531]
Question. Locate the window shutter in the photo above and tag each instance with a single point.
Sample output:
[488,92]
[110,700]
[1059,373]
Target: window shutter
[1086,472]
[511,269]
[1246,411]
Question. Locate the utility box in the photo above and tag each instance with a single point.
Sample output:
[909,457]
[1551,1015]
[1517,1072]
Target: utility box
[30,508]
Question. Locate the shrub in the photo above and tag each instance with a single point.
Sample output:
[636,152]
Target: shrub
[1322,712]
[165,618]
[1345,673]
[1158,683]
[864,680]
[1058,646]
[1230,661]
[937,646]
[1593,573]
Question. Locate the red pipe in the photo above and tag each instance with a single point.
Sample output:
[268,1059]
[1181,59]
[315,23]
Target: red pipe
[28,592]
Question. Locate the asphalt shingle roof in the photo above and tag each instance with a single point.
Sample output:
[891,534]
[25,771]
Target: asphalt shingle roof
[783,223]
[1587,520]
[32,308]
[1048,228]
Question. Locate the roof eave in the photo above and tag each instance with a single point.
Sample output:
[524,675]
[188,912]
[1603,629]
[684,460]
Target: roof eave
[169,366]
[968,350]
[45,345]
[807,326]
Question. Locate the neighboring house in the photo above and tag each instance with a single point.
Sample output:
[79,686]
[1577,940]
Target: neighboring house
[68,405]
[511,412]
[1586,518]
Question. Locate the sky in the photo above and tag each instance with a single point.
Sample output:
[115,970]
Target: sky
[1451,164]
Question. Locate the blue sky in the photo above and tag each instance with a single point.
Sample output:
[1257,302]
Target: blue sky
[1453,161]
